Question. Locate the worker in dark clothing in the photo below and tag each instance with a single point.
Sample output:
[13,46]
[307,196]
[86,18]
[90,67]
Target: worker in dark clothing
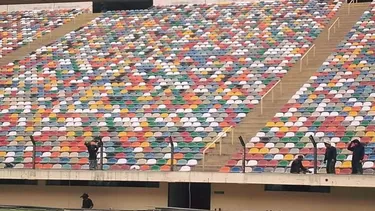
[297,166]
[86,202]
[92,148]
[330,157]
[358,154]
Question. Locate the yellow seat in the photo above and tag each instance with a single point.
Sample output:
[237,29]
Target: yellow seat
[347,108]
[270,124]
[61,119]
[71,133]
[20,138]
[29,129]
[164,115]
[145,144]
[212,146]
[64,149]
[279,124]
[264,151]
[144,124]
[346,164]
[284,129]
[2,154]
[169,161]
[288,157]
[87,134]
[149,134]
[253,151]
[122,134]
[370,134]
[312,96]
[353,113]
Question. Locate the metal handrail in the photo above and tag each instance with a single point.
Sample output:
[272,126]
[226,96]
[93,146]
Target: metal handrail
[334,27]
[270,90]
[218,138]
[307,56]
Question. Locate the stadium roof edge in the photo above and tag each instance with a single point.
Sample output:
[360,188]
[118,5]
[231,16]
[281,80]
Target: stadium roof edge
[193,177]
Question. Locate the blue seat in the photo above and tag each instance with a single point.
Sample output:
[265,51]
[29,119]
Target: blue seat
[258,170]
[236,169]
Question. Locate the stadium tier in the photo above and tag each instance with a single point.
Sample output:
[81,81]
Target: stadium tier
[137,77]
[337,103]
[22,27]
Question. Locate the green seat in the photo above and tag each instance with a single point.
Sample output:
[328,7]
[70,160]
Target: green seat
[294,139]
[299,134]
[285,140]
[349,133]
[182,144]
[155,168]
[200,145]
[189,156]
[154,144]
[265,129]
[299,145]
[284,119]
[283,163]
[346,139]
[317,124]
[182,162]
[161,162]
[341,157]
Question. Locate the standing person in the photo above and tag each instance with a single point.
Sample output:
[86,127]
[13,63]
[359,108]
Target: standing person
[297,166]
[86,202]
[93,148]
[330,157]
[358,154]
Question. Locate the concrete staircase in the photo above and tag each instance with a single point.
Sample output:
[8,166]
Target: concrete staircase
[291,83]
[46,39]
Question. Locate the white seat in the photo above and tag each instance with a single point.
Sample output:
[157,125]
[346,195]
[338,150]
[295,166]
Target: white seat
[192,162]
[185,168]
[151,162]
[252,163]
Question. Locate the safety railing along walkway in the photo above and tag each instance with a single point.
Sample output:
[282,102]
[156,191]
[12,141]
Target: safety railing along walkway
[219,139]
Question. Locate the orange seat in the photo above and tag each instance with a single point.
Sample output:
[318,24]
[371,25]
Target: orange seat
[145,167]
[165,168]
[83,161]
[224,169]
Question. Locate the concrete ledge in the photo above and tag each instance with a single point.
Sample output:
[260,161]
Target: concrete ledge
[194,177]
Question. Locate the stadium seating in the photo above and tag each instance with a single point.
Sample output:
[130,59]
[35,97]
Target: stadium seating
[337,103]
[137,77]
[22,27]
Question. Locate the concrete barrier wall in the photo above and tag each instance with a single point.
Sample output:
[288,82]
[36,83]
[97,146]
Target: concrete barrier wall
[46,6]
[198,177]
[239,197]
[177,2]
[117,198]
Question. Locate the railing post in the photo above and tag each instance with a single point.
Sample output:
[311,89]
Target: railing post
[300,64]
[315,154]
[34,150]
[307,58]
[243,154]
[314,50]
[221,140]
[272,95]
[261,105]
[172,153]
[232,131]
